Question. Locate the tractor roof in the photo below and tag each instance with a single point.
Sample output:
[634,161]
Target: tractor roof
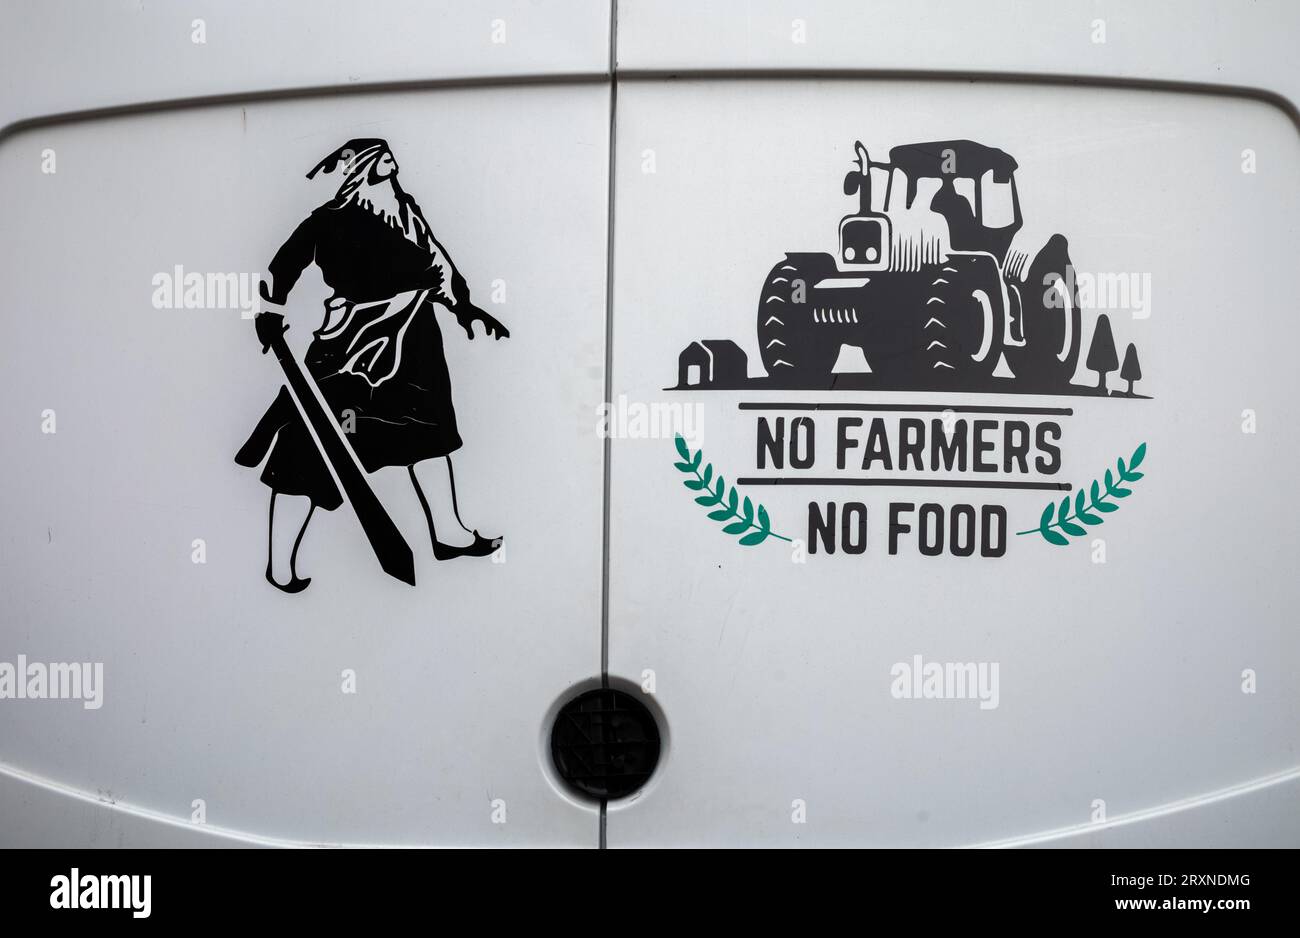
[971,159]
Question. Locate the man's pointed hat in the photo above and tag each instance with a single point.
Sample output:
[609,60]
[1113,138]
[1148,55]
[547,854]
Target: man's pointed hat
[354,153]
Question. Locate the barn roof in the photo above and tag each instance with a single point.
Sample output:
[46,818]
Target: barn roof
[722,346]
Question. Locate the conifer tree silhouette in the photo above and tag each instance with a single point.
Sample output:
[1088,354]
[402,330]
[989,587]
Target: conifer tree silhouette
[1102,357]
[1131,370]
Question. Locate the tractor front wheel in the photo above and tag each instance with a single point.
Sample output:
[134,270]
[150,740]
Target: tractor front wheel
[795,352]
[962,322]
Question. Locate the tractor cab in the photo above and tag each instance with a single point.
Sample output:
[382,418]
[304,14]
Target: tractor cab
[970,185]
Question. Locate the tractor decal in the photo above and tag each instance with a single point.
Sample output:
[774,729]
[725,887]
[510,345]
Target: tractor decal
[926,288]
[930,290]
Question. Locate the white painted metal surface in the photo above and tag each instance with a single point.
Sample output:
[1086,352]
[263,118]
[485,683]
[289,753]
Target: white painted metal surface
[216,686]
[1120,682]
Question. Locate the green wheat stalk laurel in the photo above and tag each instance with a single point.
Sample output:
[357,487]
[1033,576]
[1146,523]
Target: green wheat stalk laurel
[746,518]
[1090,505]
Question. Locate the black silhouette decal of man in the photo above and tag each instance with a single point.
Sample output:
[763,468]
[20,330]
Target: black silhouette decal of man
[377,362]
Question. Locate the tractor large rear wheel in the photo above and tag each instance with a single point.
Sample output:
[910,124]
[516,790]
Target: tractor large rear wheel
[1050,322]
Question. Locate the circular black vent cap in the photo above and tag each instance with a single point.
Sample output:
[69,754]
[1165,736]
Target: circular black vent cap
[605,743]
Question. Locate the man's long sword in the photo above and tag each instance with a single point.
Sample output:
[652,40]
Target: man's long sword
[389,546]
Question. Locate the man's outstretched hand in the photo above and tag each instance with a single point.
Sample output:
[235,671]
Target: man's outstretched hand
[470,314]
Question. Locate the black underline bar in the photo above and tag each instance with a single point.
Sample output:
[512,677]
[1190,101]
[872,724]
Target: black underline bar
[907,408]
[908,483]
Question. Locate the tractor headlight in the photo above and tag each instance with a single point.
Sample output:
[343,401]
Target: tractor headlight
[864,240]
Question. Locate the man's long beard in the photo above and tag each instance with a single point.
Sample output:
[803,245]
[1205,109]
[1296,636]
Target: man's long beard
[386,200]
[382,200]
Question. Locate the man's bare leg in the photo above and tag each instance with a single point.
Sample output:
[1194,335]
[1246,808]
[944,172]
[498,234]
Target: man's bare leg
[286,528]
[435,487]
